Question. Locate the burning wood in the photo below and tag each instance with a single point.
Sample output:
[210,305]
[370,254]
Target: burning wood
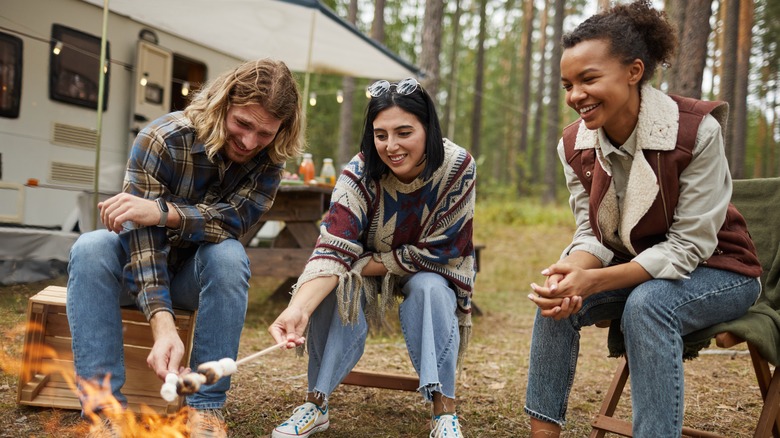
[207,373]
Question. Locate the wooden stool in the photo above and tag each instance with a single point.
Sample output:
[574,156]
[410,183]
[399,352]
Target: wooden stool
[47,373]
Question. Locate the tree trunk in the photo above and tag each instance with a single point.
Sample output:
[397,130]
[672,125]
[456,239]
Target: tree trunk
[347,148]
[378,25]
[479,79]
[739,133]
[525,99]
[688,71]
[431,45]
[729,68]
[541,85]
[450,105]
[553,110]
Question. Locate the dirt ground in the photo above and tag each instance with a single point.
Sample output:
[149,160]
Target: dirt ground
[721,392]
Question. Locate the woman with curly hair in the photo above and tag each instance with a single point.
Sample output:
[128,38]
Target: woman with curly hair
[658,248]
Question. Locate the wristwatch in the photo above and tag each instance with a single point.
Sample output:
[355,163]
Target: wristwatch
[163,206]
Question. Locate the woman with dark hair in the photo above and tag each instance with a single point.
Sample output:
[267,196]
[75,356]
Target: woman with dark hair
[658,248]
[399,225]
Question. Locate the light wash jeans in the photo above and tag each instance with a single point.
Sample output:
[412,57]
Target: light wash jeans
[429,325]
[654,316]
[215,281]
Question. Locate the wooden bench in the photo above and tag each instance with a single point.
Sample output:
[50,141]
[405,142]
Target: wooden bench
[47,374]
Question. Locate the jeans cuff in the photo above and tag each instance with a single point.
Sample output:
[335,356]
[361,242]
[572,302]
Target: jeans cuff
[541,417]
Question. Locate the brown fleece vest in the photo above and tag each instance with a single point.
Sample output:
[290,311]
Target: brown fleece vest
[735,251]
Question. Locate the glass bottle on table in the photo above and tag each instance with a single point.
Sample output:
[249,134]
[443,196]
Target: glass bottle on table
[306,169]
[328,172]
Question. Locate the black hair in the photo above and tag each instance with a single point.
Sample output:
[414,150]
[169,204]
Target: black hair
[419,104]
[634,31]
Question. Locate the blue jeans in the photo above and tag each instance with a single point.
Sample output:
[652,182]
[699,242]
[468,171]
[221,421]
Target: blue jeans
[654,316]
[429,325]
[215,281]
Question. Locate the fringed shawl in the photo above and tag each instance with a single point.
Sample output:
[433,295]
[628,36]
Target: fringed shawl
[425,225]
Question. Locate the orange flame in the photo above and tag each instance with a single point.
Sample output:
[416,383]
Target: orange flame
[41,362]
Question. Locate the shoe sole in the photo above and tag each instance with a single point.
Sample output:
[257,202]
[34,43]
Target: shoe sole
[319,428]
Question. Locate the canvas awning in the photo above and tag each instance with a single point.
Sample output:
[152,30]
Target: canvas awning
[305,34]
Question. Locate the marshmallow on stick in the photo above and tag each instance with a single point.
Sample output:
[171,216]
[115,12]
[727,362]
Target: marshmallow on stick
[208,373]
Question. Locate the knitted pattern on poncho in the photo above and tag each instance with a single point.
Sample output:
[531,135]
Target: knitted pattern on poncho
[425,225]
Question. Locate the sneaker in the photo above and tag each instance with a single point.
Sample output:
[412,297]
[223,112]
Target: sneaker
[207,423]
[446,426]
[105,429]
[306,419]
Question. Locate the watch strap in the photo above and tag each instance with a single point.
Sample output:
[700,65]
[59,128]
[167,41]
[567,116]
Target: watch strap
[163,207]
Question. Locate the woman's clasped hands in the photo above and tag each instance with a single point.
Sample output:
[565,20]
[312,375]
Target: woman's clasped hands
[564,289]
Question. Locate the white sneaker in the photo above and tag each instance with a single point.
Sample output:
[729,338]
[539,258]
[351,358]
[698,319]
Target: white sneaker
[446,426]
[306,419]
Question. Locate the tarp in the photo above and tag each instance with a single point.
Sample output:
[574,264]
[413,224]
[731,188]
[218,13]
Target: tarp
[305,34]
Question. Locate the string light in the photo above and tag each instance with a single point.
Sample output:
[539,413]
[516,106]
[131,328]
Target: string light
[144,79]
[339,96]
[185,88]
[313,98]
[57,48]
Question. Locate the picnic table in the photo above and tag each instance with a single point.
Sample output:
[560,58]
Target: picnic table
[300,207]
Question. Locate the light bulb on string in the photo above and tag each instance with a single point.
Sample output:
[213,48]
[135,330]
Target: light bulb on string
[313,98]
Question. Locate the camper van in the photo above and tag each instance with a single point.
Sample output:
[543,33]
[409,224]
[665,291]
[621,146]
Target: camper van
[68,116]
[50,148]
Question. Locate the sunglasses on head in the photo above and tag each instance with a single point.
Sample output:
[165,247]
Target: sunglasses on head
[404,87]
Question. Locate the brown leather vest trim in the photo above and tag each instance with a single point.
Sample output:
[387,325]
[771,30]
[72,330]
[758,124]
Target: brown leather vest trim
[735,251]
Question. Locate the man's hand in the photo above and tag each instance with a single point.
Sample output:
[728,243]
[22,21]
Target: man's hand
[168,349]
[125,207]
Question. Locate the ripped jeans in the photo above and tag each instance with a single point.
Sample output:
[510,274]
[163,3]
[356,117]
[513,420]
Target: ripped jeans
[429,325]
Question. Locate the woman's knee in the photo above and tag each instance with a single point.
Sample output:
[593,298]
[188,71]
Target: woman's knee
[645,310]
[429,284]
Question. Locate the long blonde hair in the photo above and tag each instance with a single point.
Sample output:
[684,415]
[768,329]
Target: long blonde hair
[266,82]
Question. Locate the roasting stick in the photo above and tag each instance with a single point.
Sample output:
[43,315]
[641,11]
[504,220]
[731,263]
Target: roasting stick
[208,372]
[254,356]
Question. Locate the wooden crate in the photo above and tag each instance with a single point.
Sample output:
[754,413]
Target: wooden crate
[47,347]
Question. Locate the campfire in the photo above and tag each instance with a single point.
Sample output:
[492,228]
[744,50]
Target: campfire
[47,376]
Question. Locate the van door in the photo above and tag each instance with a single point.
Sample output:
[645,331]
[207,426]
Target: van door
[153,73]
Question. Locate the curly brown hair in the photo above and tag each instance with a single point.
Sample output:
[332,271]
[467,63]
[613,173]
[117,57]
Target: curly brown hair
[634,31]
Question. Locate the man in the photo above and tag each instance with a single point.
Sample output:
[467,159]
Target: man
[196,182]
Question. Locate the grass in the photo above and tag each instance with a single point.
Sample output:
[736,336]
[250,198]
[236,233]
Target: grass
[521,238]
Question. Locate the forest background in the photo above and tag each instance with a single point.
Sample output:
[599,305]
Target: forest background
[493,67]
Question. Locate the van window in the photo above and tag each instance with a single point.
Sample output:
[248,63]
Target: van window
[188,77]
[10,75]
[74,73]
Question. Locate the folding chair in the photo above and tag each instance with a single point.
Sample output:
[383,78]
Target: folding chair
[759,201]
[769,384]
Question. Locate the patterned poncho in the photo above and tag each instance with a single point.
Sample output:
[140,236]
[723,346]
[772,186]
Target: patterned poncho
[425,225]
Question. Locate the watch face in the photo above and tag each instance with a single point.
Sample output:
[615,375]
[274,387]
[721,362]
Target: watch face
[163,205]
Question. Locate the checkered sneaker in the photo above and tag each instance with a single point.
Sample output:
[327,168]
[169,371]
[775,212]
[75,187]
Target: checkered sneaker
[306,419]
